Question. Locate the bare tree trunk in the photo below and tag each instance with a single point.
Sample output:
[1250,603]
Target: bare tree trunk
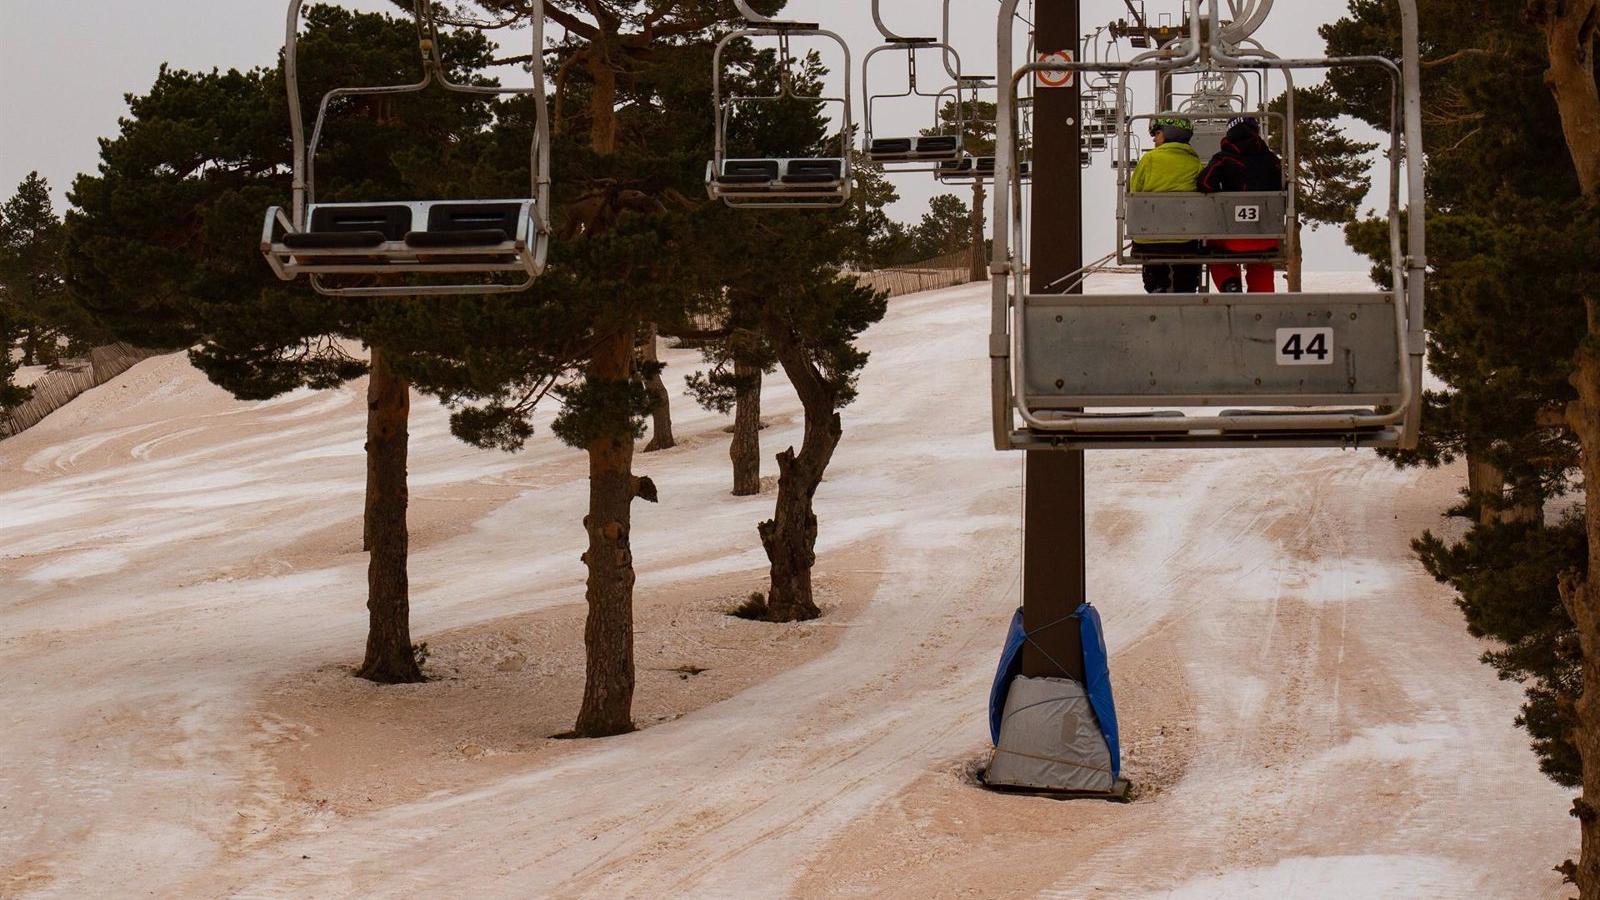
[980,261]
[745,451]
[790,537]
[389,658]
[1297,260]
[608,633]
[660,400]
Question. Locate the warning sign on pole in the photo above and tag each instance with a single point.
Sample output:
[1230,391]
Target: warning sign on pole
[1047,79]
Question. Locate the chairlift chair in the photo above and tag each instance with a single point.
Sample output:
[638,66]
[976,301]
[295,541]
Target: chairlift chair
[943,142]
[449,238]
[795,182]
[1075,371]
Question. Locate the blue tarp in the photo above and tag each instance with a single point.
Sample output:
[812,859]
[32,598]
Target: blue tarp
[1097,679]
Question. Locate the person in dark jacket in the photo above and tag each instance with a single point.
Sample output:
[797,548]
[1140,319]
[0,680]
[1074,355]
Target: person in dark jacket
[1245,163]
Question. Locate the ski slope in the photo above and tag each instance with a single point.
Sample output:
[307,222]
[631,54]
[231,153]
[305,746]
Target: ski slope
[183,592]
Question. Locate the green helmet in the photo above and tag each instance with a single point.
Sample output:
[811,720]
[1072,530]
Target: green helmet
[1174,128]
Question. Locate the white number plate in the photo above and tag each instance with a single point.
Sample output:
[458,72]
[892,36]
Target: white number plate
[1305,346]
[1248,214]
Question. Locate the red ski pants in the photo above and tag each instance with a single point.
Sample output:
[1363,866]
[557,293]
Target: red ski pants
[1259,277]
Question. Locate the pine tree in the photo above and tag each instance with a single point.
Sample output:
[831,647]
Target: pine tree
[32,275]
[11,393]
[631,112]
[162,246]
[945,228]
[739,360]
[809,313]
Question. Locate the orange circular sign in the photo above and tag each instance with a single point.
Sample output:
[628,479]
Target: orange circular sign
[1056,79]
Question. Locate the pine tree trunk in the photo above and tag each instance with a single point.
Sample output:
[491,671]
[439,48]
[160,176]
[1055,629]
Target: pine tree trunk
[608,633]
[980,262]
[1488,496]
[660,401]
[1297,261]
[1486,486]
[790,537]
[745,451]
[1581,597]
[389,659]
[1569,28]
[602,102]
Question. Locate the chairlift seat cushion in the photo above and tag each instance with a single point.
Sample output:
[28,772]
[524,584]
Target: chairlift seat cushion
[813,171]
[748,171]
[334,240]
[480,237]
[939,143]
[890,146]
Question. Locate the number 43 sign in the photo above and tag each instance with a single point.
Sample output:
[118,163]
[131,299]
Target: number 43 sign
[1305,346]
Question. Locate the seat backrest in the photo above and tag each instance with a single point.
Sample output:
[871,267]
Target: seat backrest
[393,220]
[815,168]
[468,216]
[1196,216]
[767,168]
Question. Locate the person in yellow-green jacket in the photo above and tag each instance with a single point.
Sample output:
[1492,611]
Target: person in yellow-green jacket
[1171,167]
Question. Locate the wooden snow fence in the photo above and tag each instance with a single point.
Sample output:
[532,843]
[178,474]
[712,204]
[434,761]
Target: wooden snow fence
[65,384]
[944,271]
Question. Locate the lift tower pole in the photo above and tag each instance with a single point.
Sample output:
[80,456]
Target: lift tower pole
[1054,581]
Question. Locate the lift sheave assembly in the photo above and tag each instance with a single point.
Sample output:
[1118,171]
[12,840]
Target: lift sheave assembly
[792,182]
[448,239]
[1075,371]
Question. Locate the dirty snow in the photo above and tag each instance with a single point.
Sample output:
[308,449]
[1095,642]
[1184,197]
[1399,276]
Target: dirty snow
[183,582]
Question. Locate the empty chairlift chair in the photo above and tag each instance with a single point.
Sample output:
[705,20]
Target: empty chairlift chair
[797,182]
[943,143]
[449,238]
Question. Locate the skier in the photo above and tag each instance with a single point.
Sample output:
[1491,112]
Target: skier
[1172,167]
[1245,163]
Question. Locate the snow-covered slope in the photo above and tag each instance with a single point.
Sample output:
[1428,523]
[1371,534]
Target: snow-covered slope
[180,578]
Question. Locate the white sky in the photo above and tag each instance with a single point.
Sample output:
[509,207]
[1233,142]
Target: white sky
[65,66]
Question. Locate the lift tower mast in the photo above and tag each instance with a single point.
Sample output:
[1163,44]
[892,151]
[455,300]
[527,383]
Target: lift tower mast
[1054,581]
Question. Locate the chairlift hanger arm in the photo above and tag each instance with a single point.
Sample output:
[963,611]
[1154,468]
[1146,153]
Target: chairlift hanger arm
[1136,12]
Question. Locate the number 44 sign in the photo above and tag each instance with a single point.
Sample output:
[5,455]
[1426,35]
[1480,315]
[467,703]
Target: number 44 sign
[1305,346]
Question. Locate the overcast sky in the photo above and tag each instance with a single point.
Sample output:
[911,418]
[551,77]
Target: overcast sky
[65,66]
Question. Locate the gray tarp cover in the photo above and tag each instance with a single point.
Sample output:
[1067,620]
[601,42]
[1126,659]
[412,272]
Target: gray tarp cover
[1049,739]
